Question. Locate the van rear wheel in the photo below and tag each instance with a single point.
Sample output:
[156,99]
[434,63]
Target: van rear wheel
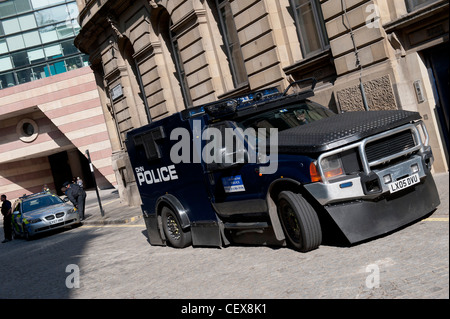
[300,222]
[176,236]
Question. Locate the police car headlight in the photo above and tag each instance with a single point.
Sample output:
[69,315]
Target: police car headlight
[34,221]
[71,211]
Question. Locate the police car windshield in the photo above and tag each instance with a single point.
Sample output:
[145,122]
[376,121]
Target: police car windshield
[40,202]
[287,117]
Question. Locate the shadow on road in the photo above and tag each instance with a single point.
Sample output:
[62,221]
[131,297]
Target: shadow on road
[38,269]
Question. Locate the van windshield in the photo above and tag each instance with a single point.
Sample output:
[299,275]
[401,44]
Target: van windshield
[287,117]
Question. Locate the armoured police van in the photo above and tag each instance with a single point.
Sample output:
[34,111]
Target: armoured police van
[277,168]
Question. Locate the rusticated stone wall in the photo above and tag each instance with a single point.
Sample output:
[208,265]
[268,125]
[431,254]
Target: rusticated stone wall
[379,96]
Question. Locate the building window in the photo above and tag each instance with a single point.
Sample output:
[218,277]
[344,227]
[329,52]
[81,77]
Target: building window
[3,46]
[310,26]
[5,63]
[7,80]
[20,59]
[180,70]
[9,8]
[37,44]
[44,3]
[412,5]
[231,41]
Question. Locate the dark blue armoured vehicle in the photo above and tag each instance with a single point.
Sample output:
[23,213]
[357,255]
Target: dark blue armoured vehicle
[279,169]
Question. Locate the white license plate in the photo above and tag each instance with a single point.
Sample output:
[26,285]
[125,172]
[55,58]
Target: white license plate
[55,221]
[404,183]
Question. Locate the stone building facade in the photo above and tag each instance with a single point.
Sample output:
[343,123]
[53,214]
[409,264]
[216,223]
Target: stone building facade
[152,58]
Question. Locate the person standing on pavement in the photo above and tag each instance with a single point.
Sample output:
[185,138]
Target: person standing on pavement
[77,196]
[7,216]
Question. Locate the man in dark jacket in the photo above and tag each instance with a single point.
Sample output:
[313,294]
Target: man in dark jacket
[77,196]
[7,216]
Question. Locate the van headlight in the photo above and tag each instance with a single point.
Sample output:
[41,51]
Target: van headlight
[332,167]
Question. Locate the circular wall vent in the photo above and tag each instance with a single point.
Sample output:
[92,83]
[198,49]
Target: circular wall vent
[27,130]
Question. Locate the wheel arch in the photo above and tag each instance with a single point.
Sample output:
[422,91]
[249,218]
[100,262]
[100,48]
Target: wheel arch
[170,201]
[283,184]
[289,184]
[274,189]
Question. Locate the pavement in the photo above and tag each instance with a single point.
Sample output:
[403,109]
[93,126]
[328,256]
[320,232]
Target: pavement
[117,211]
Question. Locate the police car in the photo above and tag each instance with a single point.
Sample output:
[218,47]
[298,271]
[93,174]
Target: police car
[277,168]
[41,212]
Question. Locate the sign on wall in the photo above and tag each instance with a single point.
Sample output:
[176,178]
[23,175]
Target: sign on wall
[116,92]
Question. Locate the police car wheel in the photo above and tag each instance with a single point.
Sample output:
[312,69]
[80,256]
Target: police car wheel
[300,222]
[176,236]
[16,234]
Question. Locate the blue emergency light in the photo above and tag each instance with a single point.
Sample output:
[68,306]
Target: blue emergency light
[230,106]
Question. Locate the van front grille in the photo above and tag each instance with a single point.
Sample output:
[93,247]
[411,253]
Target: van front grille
[389,146]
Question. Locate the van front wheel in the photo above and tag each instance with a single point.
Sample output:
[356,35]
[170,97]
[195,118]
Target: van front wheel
[300,222]
[176,236]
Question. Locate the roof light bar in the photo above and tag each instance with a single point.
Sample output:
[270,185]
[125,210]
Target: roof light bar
[229,106]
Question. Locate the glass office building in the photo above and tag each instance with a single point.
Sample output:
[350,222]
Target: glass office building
[36,40]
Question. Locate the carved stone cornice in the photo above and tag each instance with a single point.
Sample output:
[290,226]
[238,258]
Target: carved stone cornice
[112,20]
[188,20]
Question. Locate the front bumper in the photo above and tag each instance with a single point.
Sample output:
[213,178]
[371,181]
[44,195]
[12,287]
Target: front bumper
[46,225]
[356,186]
[364,219]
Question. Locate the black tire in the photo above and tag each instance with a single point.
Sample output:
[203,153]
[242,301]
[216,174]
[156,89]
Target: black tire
[176,236]
[26,235]
[300,221]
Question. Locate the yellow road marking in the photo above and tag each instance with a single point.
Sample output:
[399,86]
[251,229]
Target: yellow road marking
[111,201]
[436,219]
[431,219]
[111,226]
